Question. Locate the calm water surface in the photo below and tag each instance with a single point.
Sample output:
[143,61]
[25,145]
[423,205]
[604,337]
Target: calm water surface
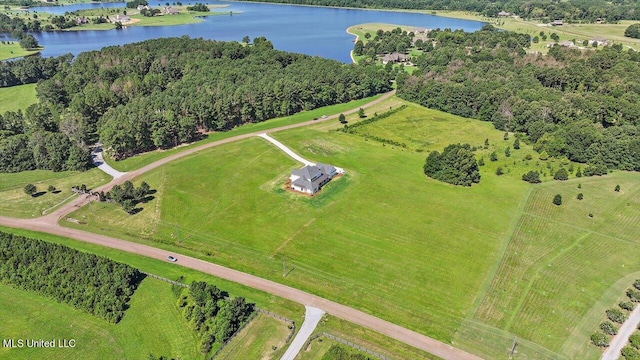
[310,30]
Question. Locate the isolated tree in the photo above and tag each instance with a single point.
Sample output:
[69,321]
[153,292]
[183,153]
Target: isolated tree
[516,144]
[361,113]
[506,136]
[342,119]
[456,165]
[486,143]
[561,174]
[627,305]
[557,200]
[481,161]
[51,188]
[246,39]
[617,188]
[30,189]
[630,353]
[616,315]
[367,36]
[499,171]
[580,196]
[633,31]
[578,173]
[493,156]
[634,295]
[600,339]
[532,177]
[608,328]
[507,152]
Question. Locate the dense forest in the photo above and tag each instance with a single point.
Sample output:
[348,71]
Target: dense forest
[161,93]
[214,316]
[570,11]
[95,284]
[579,104]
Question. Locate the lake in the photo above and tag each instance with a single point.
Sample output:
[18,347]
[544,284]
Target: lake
[304,29]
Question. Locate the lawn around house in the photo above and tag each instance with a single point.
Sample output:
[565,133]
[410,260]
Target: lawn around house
[335,246]
[152,324]
[17,97]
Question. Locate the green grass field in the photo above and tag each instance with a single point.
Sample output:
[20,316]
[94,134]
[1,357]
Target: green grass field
[12,49]
[337,244]
[16,98]
[138,161]
[560,262]
[153,324]
[346,330]
[256,340]
[18,204]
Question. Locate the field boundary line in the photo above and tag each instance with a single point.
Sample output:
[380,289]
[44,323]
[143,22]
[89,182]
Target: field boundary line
[535,277]
[500,254]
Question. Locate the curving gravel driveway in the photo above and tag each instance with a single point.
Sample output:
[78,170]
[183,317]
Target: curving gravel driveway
[312,317]
[98,161]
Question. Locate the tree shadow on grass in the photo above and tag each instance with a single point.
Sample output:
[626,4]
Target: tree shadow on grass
[38,194]
[146,199]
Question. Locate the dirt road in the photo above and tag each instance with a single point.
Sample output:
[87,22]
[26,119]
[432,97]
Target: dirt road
[49,224]
[341,311]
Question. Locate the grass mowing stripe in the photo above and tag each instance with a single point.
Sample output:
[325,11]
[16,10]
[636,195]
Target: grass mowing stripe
[536,276]
[500,254]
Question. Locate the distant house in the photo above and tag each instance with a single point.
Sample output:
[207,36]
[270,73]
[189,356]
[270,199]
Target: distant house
[566,43]
[557,23]
[599,41]
[145,7]
[121,18]
[394,58]
[170,11]
[599,21]
[504,14]
[311,178]
[81,20]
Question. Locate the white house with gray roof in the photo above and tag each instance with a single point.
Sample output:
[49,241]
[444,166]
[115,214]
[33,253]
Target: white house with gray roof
[311,178]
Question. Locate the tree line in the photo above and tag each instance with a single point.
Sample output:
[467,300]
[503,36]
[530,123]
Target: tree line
[164,92]
[572,11]
[94,284]
[212,313]
[579,104]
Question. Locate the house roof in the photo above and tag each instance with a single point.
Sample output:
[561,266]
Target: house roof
[305,184]
[396,56]
[307,172]
[566,43]
[503,13]
[326,168]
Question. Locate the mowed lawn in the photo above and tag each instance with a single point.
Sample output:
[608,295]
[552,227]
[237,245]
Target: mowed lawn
[18,97]
[258,340]
[383,238]
[152,325]
[16,203]
[560,261]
